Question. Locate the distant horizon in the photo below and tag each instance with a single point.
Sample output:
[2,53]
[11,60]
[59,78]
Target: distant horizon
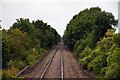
[57,14]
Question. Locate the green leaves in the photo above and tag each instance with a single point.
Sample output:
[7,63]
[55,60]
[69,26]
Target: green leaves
[24,43]
[94,43]
[90,25]
[104,59]
[117,39]
[5,50]
[114,57]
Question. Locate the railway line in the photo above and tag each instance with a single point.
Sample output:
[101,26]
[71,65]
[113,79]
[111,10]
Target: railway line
[49,63]
[59,63]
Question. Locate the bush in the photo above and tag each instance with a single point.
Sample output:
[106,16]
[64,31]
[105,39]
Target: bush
[114,57]
[84,61]
[117,39]
[7,74]
[85,53]
[113,71]
[98,63]
[103,71]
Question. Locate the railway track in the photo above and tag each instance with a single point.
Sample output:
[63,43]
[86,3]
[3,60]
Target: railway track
[49,63]
[62,65]
[59,64]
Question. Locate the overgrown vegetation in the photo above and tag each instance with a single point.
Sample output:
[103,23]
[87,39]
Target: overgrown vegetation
[90,35]
[24,43]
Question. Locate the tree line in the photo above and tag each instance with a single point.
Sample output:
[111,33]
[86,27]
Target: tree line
[90,36]
[24,43]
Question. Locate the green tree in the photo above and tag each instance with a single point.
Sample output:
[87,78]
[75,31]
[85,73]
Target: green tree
[6,56]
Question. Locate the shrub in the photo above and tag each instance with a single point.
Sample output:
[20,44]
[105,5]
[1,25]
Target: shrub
[113,71]
[103,71]
[98,63]
[114,57]
[85,53]
[84,61]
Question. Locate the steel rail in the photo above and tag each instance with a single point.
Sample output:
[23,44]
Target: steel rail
[48,64]
[62,66]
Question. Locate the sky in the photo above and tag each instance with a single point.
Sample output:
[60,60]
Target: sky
[56,13]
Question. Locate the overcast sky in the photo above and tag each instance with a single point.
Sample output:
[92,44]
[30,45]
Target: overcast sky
[56,13]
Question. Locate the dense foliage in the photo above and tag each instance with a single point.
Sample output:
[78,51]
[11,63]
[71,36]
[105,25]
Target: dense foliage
[89,25]
[103,60]
[24,43]
[94,43]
